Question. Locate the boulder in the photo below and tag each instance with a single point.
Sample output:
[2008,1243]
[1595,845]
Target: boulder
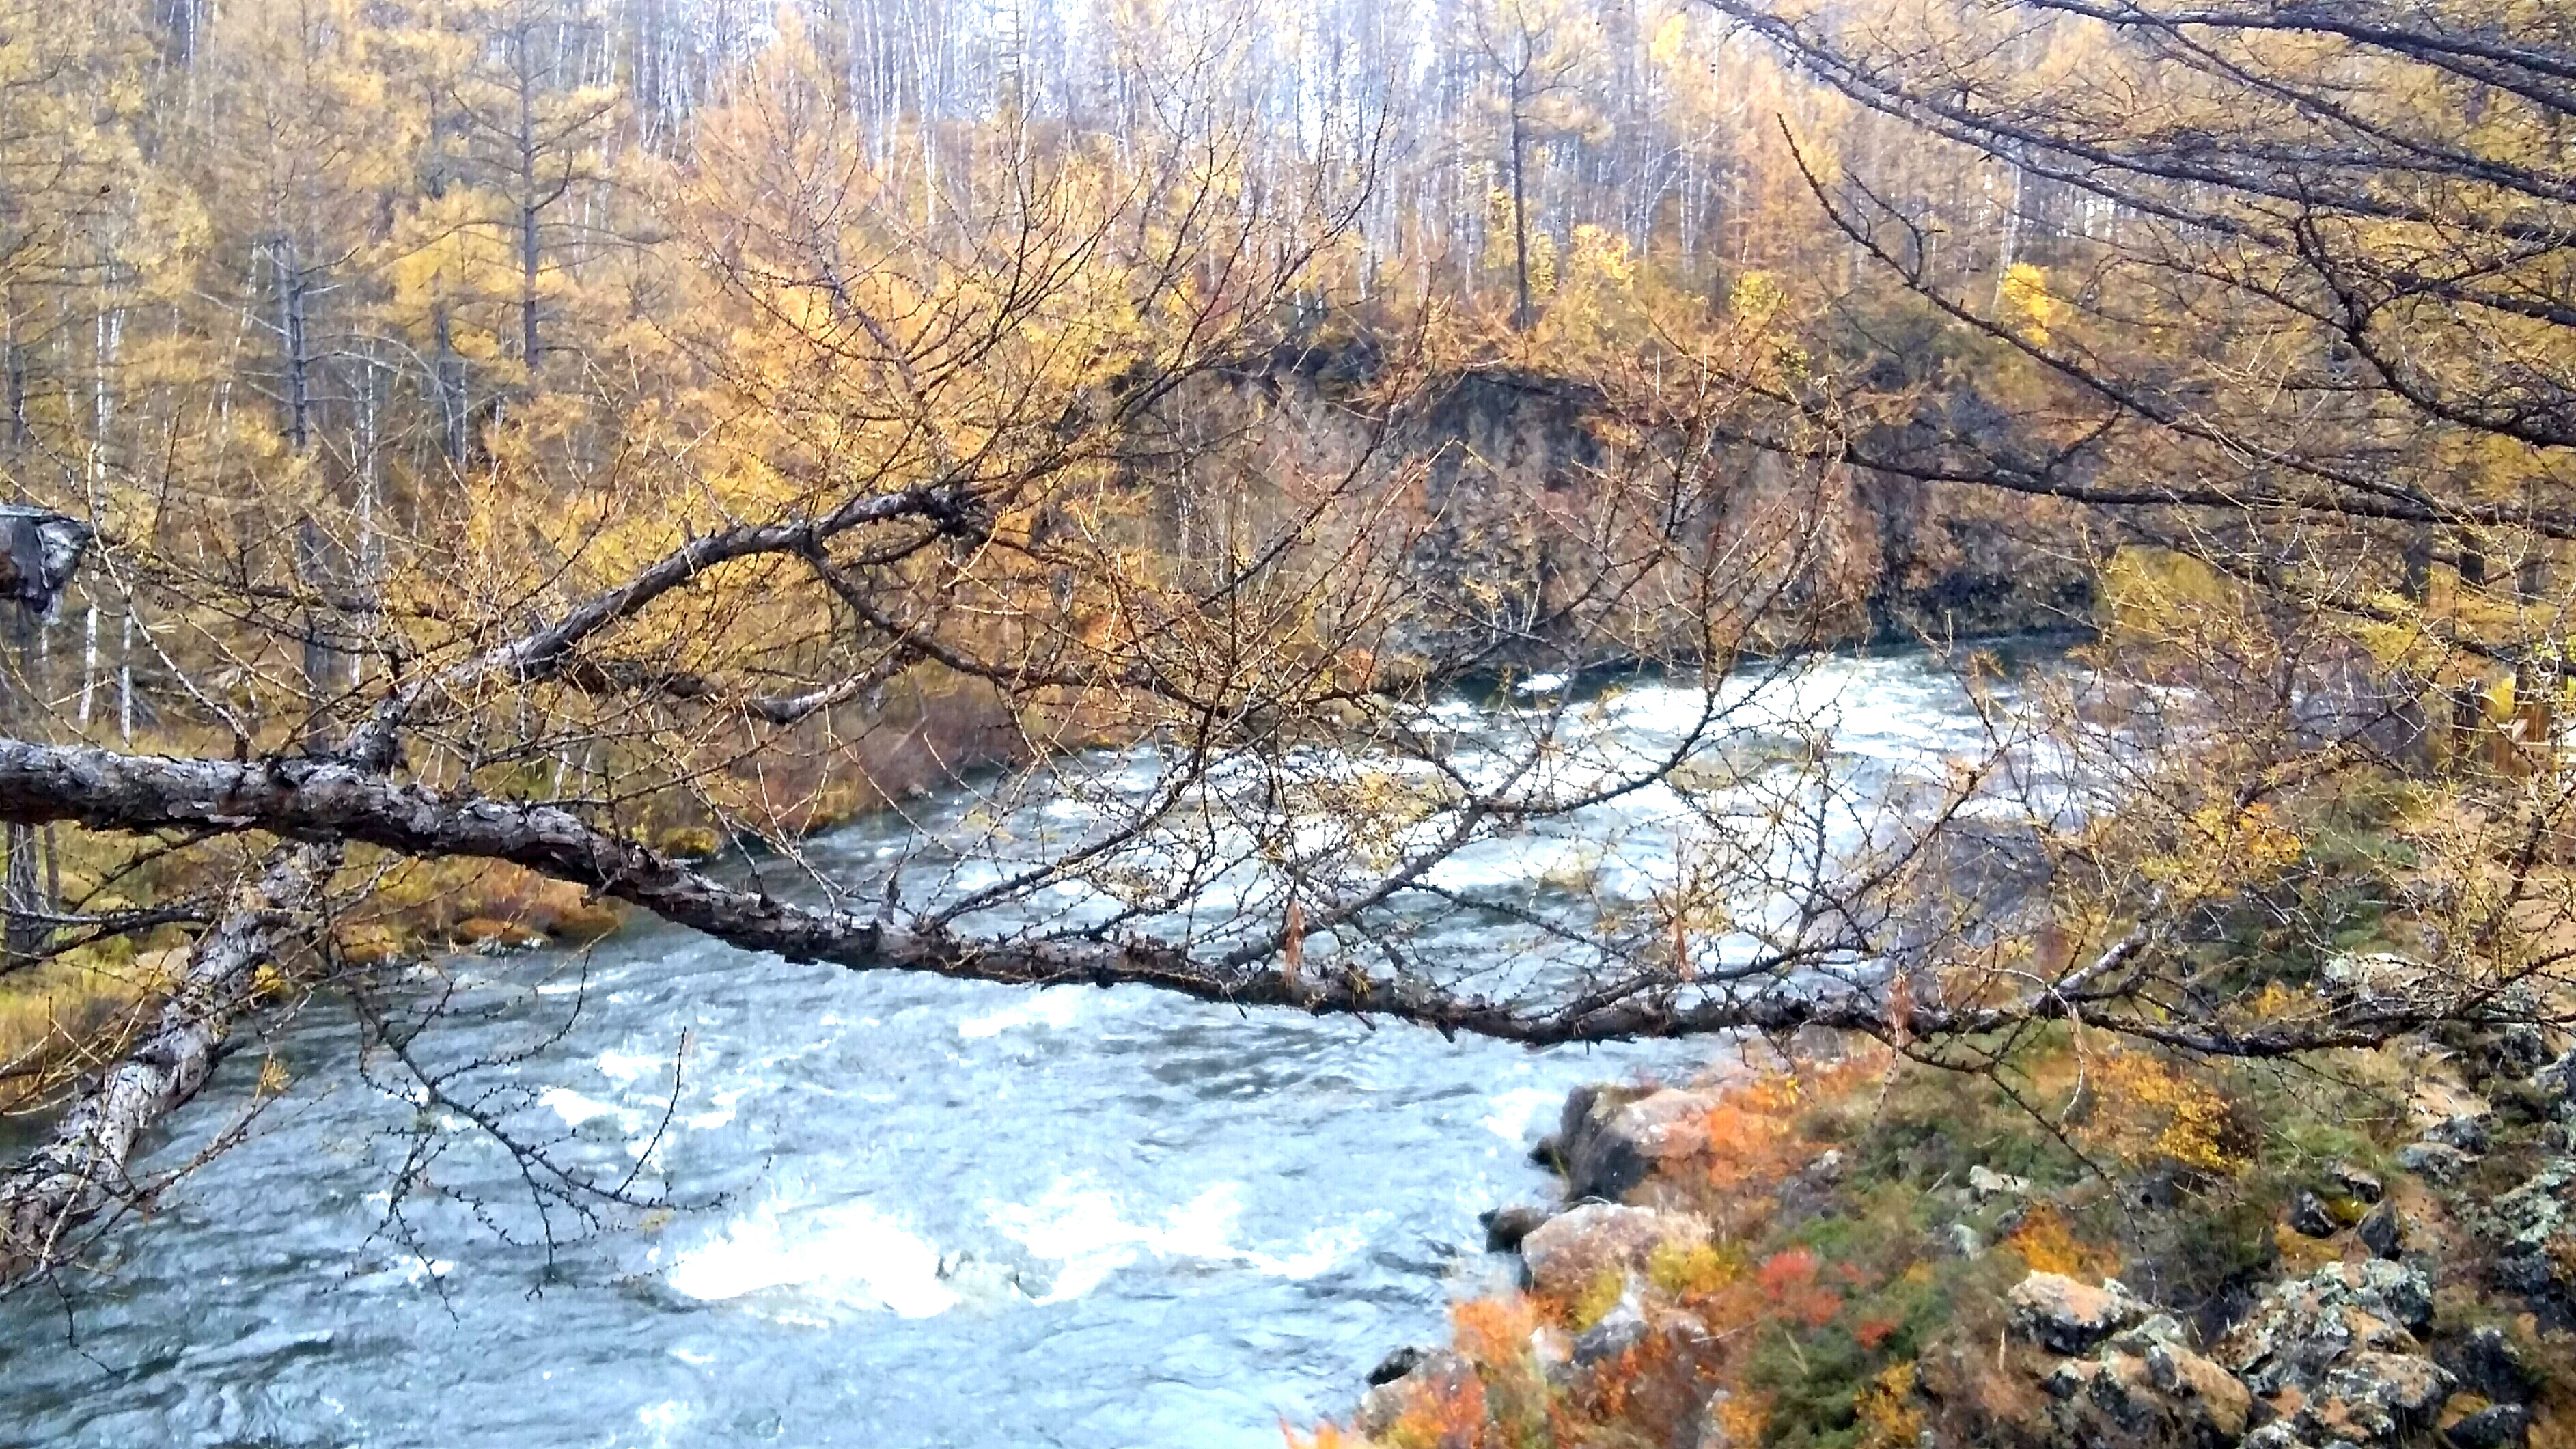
[2440,1161]
[1396,1365]
[1568,1253]
[2382,1231]
[1506,1226]
[2065,1316]
[2377,1398]
[1613,1138]
[2361,1186]
[2485,1363]
[2531,1229]
[1984,1182]
[1616,1332]
[2497,1426]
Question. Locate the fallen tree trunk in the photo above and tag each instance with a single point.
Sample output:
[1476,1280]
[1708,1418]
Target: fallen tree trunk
[81,1173]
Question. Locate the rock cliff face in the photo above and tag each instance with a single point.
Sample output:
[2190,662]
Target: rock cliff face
[1516,471]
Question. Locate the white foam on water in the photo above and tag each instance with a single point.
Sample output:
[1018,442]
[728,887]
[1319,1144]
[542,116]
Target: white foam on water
[573,1107]
[1541,684]
[841,1255]
[1512,1111]
[625,1066]
[1079,1224]
[1054,1007]
[665,1419]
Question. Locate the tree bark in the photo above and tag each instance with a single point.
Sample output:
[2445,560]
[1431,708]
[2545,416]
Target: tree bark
[81,1173]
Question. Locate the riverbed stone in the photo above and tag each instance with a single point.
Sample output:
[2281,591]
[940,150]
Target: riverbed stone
[1565,1255]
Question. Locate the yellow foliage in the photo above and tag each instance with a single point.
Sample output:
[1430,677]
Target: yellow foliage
[2147,1110]
[2025,292]
[2045,1243]
[1886,1412]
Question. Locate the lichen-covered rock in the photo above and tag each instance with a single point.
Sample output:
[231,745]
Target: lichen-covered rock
[2527,1223]
[2065,1316]
[2165,1396]
[1568,1253]
[2336,1354]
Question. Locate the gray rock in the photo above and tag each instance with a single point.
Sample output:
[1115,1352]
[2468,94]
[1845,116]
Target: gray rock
[2364,1186]
[2165,1396]
[2344,1339]
[1961,1241]
[2466,1131]
[2524,1222]
[1396,1365]
[2497,1426]
[2383,1396]
[1383,1404]
[2440,1161]
[2065,1316]
[2485,1363]
[2308,1216]
[1984,1183]
[2381,1231]
[1506,1226]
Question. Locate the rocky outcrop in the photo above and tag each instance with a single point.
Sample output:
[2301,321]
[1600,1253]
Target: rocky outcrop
[2147,1387]
[2336,1355]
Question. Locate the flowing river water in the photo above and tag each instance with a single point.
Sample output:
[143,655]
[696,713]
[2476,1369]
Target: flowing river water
[910,1212]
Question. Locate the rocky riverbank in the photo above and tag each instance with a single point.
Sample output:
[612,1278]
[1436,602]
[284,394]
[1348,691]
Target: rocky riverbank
[1834,1248]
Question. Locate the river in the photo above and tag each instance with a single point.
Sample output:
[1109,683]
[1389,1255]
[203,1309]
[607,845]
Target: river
[907,1211]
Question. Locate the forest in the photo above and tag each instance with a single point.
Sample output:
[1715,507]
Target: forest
[912,720]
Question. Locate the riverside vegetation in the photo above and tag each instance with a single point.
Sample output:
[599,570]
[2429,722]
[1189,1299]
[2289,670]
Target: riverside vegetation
[478,468]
